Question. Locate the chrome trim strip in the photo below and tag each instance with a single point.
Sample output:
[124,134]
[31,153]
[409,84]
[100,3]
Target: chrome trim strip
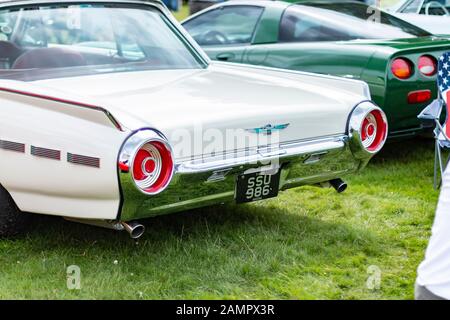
[284,151]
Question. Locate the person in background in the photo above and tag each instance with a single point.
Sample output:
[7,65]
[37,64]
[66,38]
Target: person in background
[173,5]
[433,275]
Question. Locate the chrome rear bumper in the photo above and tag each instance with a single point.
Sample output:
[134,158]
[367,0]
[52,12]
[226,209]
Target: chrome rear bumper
[212,180]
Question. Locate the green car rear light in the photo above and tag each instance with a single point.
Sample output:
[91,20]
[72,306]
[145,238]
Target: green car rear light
[402,68]
[427,65]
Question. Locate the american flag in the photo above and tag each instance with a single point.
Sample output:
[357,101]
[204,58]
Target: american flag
[444,85]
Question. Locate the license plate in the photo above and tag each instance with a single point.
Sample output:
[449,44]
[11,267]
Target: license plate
[257,186]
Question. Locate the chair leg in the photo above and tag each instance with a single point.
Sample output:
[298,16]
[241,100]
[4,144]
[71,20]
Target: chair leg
[438,162]
[447,161]
[435,168]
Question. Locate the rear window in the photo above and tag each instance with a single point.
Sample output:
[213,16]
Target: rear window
[341,22]
[79,39]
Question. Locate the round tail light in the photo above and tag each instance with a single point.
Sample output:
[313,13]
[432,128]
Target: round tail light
[427,66]
[374,130]
[402,68]
[152,167]
[367,129]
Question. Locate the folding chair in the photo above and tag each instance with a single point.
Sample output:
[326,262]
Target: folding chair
[431,115]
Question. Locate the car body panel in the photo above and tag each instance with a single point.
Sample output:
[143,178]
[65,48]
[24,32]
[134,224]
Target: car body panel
[236,106]
[367,60]
[54,186]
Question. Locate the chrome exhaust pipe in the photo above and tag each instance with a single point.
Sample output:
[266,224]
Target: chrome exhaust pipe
[134,229]
[338,185]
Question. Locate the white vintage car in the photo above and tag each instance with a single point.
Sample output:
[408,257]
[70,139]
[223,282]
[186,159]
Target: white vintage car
[110,112]
[430,15]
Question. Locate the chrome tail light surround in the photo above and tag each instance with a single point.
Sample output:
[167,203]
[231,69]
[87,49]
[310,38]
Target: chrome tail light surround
[367,129]
[147,157]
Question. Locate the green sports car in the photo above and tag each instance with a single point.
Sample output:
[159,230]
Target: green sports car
[343,38]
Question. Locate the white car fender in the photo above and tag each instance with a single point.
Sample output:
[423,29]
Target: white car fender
[65,158]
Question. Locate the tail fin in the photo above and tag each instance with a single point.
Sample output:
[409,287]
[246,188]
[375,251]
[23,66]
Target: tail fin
[78,106]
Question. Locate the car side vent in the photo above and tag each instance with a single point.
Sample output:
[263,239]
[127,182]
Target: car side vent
[46,153]
[12,146]
[83,160]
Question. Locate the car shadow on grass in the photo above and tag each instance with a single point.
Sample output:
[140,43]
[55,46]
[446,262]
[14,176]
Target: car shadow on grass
[250,251]
[229,245]
[226,221]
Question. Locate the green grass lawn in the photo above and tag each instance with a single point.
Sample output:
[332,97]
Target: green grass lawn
[309,243]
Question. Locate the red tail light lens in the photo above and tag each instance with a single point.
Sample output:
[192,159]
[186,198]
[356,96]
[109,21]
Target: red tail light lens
[420,96]
[427,66]
[402,68]
[153,167]
[374,130]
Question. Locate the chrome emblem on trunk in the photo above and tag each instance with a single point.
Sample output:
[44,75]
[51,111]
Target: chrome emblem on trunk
[269,128]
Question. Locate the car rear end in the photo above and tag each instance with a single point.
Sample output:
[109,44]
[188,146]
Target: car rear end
[411,76]
[244,175]
[401,70]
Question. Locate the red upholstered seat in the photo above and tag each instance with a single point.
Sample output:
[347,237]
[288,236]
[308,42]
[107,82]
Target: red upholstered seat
[9,51]
[49,58]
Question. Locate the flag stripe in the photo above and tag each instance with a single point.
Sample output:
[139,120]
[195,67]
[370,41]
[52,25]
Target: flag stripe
[447,104]
[444,86]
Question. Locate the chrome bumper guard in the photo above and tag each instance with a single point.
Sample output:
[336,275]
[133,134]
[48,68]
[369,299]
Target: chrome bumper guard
[211,180]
